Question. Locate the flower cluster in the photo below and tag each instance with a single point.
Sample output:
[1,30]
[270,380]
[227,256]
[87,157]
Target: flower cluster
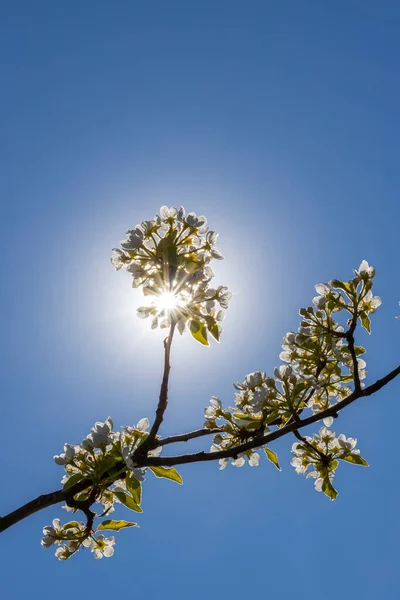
[320,364]
[238,428]
[104,462]
[73,535]
[169,258]
[322,453]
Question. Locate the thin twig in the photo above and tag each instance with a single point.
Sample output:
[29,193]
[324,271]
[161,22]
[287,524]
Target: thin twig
[185,437]
[163,399]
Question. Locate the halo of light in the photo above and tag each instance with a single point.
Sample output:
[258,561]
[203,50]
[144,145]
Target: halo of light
[167,301]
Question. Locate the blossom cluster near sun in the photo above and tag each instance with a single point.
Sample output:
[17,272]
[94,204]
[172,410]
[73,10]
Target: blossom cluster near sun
[169,259]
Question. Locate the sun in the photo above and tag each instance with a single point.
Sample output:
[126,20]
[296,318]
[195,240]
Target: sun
[167,301]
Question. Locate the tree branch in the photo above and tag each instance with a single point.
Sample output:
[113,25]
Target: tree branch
[169,461]
[67,495]
[185,437]
[163,399]
[43,502]
[350,342]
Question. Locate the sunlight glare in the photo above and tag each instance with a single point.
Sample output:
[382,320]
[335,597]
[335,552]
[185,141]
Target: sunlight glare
[167,301]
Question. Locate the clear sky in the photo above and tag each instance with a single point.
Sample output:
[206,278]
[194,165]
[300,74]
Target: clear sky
[280,122]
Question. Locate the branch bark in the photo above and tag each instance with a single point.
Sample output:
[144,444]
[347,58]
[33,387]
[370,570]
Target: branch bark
[168,461]
[185,437]
[171,461]
[163,399]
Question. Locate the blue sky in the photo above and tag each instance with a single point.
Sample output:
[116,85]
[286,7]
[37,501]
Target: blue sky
[279,122]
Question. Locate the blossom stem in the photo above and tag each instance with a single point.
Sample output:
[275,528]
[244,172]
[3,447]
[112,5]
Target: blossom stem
[163,399]
[185,437]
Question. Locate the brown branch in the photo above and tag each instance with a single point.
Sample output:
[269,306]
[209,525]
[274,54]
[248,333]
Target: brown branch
[67,495]
[166,461]
[185,437]
[304,441]
[350,342]
[163,399]
[43,502]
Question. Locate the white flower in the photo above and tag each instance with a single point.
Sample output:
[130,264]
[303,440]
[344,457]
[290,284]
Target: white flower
[319,301]
[328,421]
[300,465]
[101,546]
[118,259]
[347,443]
[239,461]
[255,379]
[194,221]
[126,455]
[134,239]
[143,424]
[62,553]
[370,303]
[100,435]
[322,288]
[168,213]
[283,372]
[51,533]
[210,412]
[254,459]
[60,459]
[223,296]
[365,269]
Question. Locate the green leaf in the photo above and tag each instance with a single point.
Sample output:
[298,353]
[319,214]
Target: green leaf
[81,497]
[115,525]
[365,321]
[128,501]
[212,327]
[71,524]
[105,465]
[355,459]
[168,473]
[199,332]
[328,489]
[359,350]
[72,481]
[272,456]
[249,418]
[134,487]
[343,285]
[333,465]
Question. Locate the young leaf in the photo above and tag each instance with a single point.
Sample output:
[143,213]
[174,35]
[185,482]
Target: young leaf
[116,525]
[328,489]
[72,481]
[105,465]
[272,456]
[199,332]
[128,501]
[134,487]
[333,465]
[71,524]
[168,473]
[343,285]
[212,327]
[365,321]
[355,459]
